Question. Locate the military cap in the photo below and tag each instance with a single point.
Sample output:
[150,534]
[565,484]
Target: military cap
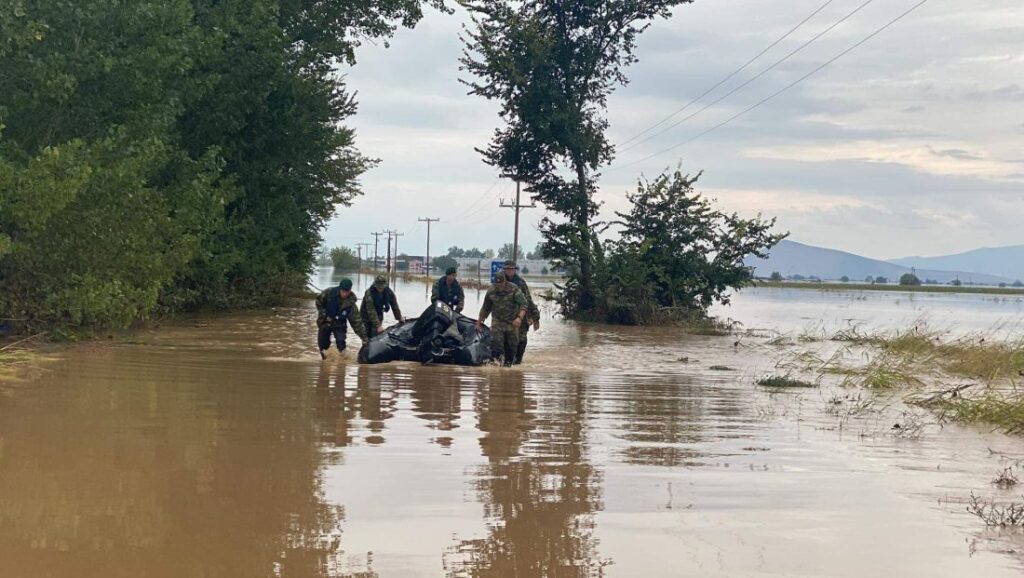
[381,281]
[345,285]
[511,264]
[451,270]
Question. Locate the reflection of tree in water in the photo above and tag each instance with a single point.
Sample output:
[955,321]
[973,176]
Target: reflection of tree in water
[539,492]
[127,471]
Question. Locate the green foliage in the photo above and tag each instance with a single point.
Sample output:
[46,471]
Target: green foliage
[537,253]
[880,280]
[677,254]
[956,283]
[776,276]
[185,153]
[441,264]
[845,279]
[909,279]
[344,259]
[505,252]
[460,253]
[552,65]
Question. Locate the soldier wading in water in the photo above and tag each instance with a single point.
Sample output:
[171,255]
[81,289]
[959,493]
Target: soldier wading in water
[508,306]
[336,307]
[533,313]
[378,300]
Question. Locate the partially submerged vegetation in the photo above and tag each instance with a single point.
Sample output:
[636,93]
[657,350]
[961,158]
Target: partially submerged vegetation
[969,379]
[784,381]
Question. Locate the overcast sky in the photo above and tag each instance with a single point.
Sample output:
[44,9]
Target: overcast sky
[912,144]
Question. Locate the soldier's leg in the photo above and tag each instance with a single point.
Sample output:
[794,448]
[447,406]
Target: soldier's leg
[497,344]
[524,332]
[511,345]
[323,340]
[340,333]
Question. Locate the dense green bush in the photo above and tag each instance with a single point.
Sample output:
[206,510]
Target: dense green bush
[676,255]
[172,154]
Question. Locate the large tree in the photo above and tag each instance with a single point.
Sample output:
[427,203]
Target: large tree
[552,64]
[182,150]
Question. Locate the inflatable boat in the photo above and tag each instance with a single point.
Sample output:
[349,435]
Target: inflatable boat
[439,335]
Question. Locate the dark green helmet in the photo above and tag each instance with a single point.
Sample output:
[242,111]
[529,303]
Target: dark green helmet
[451,270]
[345,285]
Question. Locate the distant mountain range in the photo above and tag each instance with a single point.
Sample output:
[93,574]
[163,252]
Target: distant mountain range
[1002,261]
[791,258]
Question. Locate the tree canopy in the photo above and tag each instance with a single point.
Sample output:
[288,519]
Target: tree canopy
[551,65]
[180,153]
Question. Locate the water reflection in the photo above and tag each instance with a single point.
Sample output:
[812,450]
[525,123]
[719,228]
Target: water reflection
[142,474]
[538,488]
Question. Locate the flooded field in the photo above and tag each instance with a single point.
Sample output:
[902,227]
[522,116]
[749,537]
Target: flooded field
[223,447]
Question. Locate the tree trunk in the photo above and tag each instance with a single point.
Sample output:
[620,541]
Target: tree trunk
[586,255]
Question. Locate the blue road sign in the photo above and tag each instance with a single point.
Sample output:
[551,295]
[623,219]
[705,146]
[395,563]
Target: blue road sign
[496,268]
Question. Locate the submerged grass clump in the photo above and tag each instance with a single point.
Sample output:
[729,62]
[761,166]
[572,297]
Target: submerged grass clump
[1004,410]
[721,368]
[784,381]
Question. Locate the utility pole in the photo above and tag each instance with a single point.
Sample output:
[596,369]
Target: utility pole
[518,206]
[396,234]
[428,221]
[361,245]
[387,264]
[376,239]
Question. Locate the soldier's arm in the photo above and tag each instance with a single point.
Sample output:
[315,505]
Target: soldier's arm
[356,321]
[370,311]
[532,309]
[462,297]
[524,306]
[435,292]
[395,310]
[485,309]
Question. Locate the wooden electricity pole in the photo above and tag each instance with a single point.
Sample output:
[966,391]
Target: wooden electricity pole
[360,246]
[428,221]
[517,206]
[376,239]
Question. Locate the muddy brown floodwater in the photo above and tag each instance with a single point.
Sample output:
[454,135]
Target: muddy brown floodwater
[222,447]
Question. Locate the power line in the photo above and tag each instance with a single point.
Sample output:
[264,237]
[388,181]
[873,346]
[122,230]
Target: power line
[753,78]
[481,199]
[730,76]
[776,93]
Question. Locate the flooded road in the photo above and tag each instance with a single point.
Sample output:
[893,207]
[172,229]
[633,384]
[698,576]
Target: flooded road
[223,447]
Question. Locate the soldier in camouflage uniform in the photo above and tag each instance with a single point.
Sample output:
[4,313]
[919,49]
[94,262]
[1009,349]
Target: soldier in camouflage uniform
[532,312]
[508,305]
[377,300]
[335,307]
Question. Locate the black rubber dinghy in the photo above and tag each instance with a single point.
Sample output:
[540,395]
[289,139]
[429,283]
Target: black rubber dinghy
[439,335]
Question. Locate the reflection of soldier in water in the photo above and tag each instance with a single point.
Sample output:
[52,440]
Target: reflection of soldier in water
[537,488]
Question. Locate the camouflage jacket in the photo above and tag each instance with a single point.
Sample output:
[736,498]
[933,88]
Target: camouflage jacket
[375,304]
[504,301]
[532,312]
[333,311]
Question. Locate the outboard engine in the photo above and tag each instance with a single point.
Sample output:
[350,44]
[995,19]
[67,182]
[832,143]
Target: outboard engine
[437,332]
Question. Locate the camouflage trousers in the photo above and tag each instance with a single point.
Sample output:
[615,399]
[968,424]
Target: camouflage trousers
[524,332]
[504,344]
